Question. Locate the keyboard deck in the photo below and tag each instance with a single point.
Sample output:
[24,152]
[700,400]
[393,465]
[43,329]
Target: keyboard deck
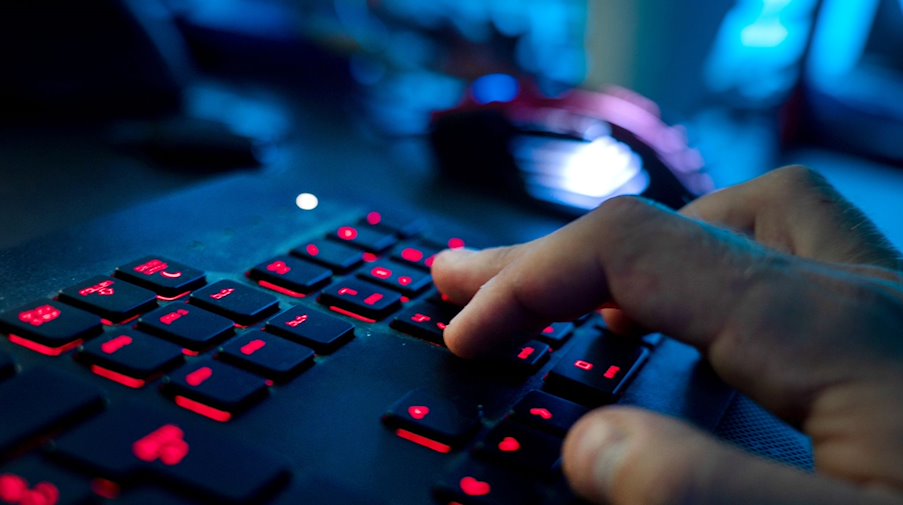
[263,354]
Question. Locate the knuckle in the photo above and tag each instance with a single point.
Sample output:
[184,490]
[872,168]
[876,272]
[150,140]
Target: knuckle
[799,178]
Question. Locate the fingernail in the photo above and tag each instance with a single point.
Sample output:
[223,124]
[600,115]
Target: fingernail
[600,452]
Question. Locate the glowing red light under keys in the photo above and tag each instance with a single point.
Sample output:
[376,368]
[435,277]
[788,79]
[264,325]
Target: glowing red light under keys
[203,410]
[166,443]
[172,317]
[473,487]
[199,376]
[525,353]
[104,288]
[252,347]
[418,412]
[14,490]
[347,233]
[115,345]
[584,365]
[612,372]
[125,380]
[40,316]
[412,255]
[423,441]
[381,273]
[509,444]
[279,267]
[374,218]
[541,413]
[43,349]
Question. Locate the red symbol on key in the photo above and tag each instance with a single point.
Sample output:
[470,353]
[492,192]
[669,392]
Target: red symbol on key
[347,291]
[298,321]
[172,317]
[40,315]
[404,280]
[455,243]
[347,233]
[541,413]
[525,353]
[381,273]
[312,249]
[166,443]
[418,412]
[374,218]
[14,491]
[102,289]
[373,299]
[279,267]
[171,275]
[474,487]
[548,330]
[612,372]
[412,255]
[420,318]
[115,345]
[151,267]
[199,376]
[222,294]
[509,444]
[441,326]
[584,365]
[252,347]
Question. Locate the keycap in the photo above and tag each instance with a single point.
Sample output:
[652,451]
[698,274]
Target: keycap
[215,390]
[333,255]
[425,320]
[529,357]
[169,279]
[34,481]
[475,483]
[364,237]
[360,300]
[186,325]
[321,332]
[548,412]
[556,334]
[48,327]
[130,357]
[401,225]
[407,281]
[129,444]
[7,366]
[240,303]
[290,276]
[418,254]
[431,421]
[41,400]
[520,447]
[112,299]
[595,370]
[267,355]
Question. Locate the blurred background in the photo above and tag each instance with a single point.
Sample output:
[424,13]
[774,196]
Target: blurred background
[549,104]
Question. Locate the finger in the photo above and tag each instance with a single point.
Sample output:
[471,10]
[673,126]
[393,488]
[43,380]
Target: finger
[626,456]
[459,273]
[795,210]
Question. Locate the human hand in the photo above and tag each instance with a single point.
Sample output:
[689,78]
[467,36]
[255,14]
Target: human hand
[804,314]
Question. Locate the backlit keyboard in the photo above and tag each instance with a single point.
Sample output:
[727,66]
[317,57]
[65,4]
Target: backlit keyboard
[313,373]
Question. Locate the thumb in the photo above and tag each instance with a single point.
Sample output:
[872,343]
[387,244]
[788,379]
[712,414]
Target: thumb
[622,455]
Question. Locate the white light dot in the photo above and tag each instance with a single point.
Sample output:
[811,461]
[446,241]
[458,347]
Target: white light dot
[307,201]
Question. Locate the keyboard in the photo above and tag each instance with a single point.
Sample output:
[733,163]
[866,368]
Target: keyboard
[224,346]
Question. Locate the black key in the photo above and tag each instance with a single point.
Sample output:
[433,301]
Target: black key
[432,421]
[425,320]
[651,340]
[240,303]
[474,483]
[290,276]
[130,357]
[41,400]
[338,257]
[406,280]
[169,279]
[129,444]
[556,334]
[403,226]
[215,390]
[267,355]
[520,447]
[48,327]
[7,366]
[360,300]
[111,299]
[595,370]
[321,332]
[32,480]
[530,357]
[548,412]
[417,254]
[364,237]
[191,327]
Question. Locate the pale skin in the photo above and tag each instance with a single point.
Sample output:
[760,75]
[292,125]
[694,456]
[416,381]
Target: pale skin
[789,292]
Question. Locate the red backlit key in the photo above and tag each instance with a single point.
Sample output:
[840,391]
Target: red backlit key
[167,278]
[360,300]
[556,334]
[425,320]
[130,357]
[321,332]
[520,447]
[548,412]
[33,481]
[474,483]
[407,281]
[596,369]
[530,357]
[403,226]
[127,443]
[49,328]
[41,400]
[215,390]
[112,299]
[364,237]
[267,355]
[240,303]
[338,257]
[418,254]
[431,421]
[290,276]
[186,325]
